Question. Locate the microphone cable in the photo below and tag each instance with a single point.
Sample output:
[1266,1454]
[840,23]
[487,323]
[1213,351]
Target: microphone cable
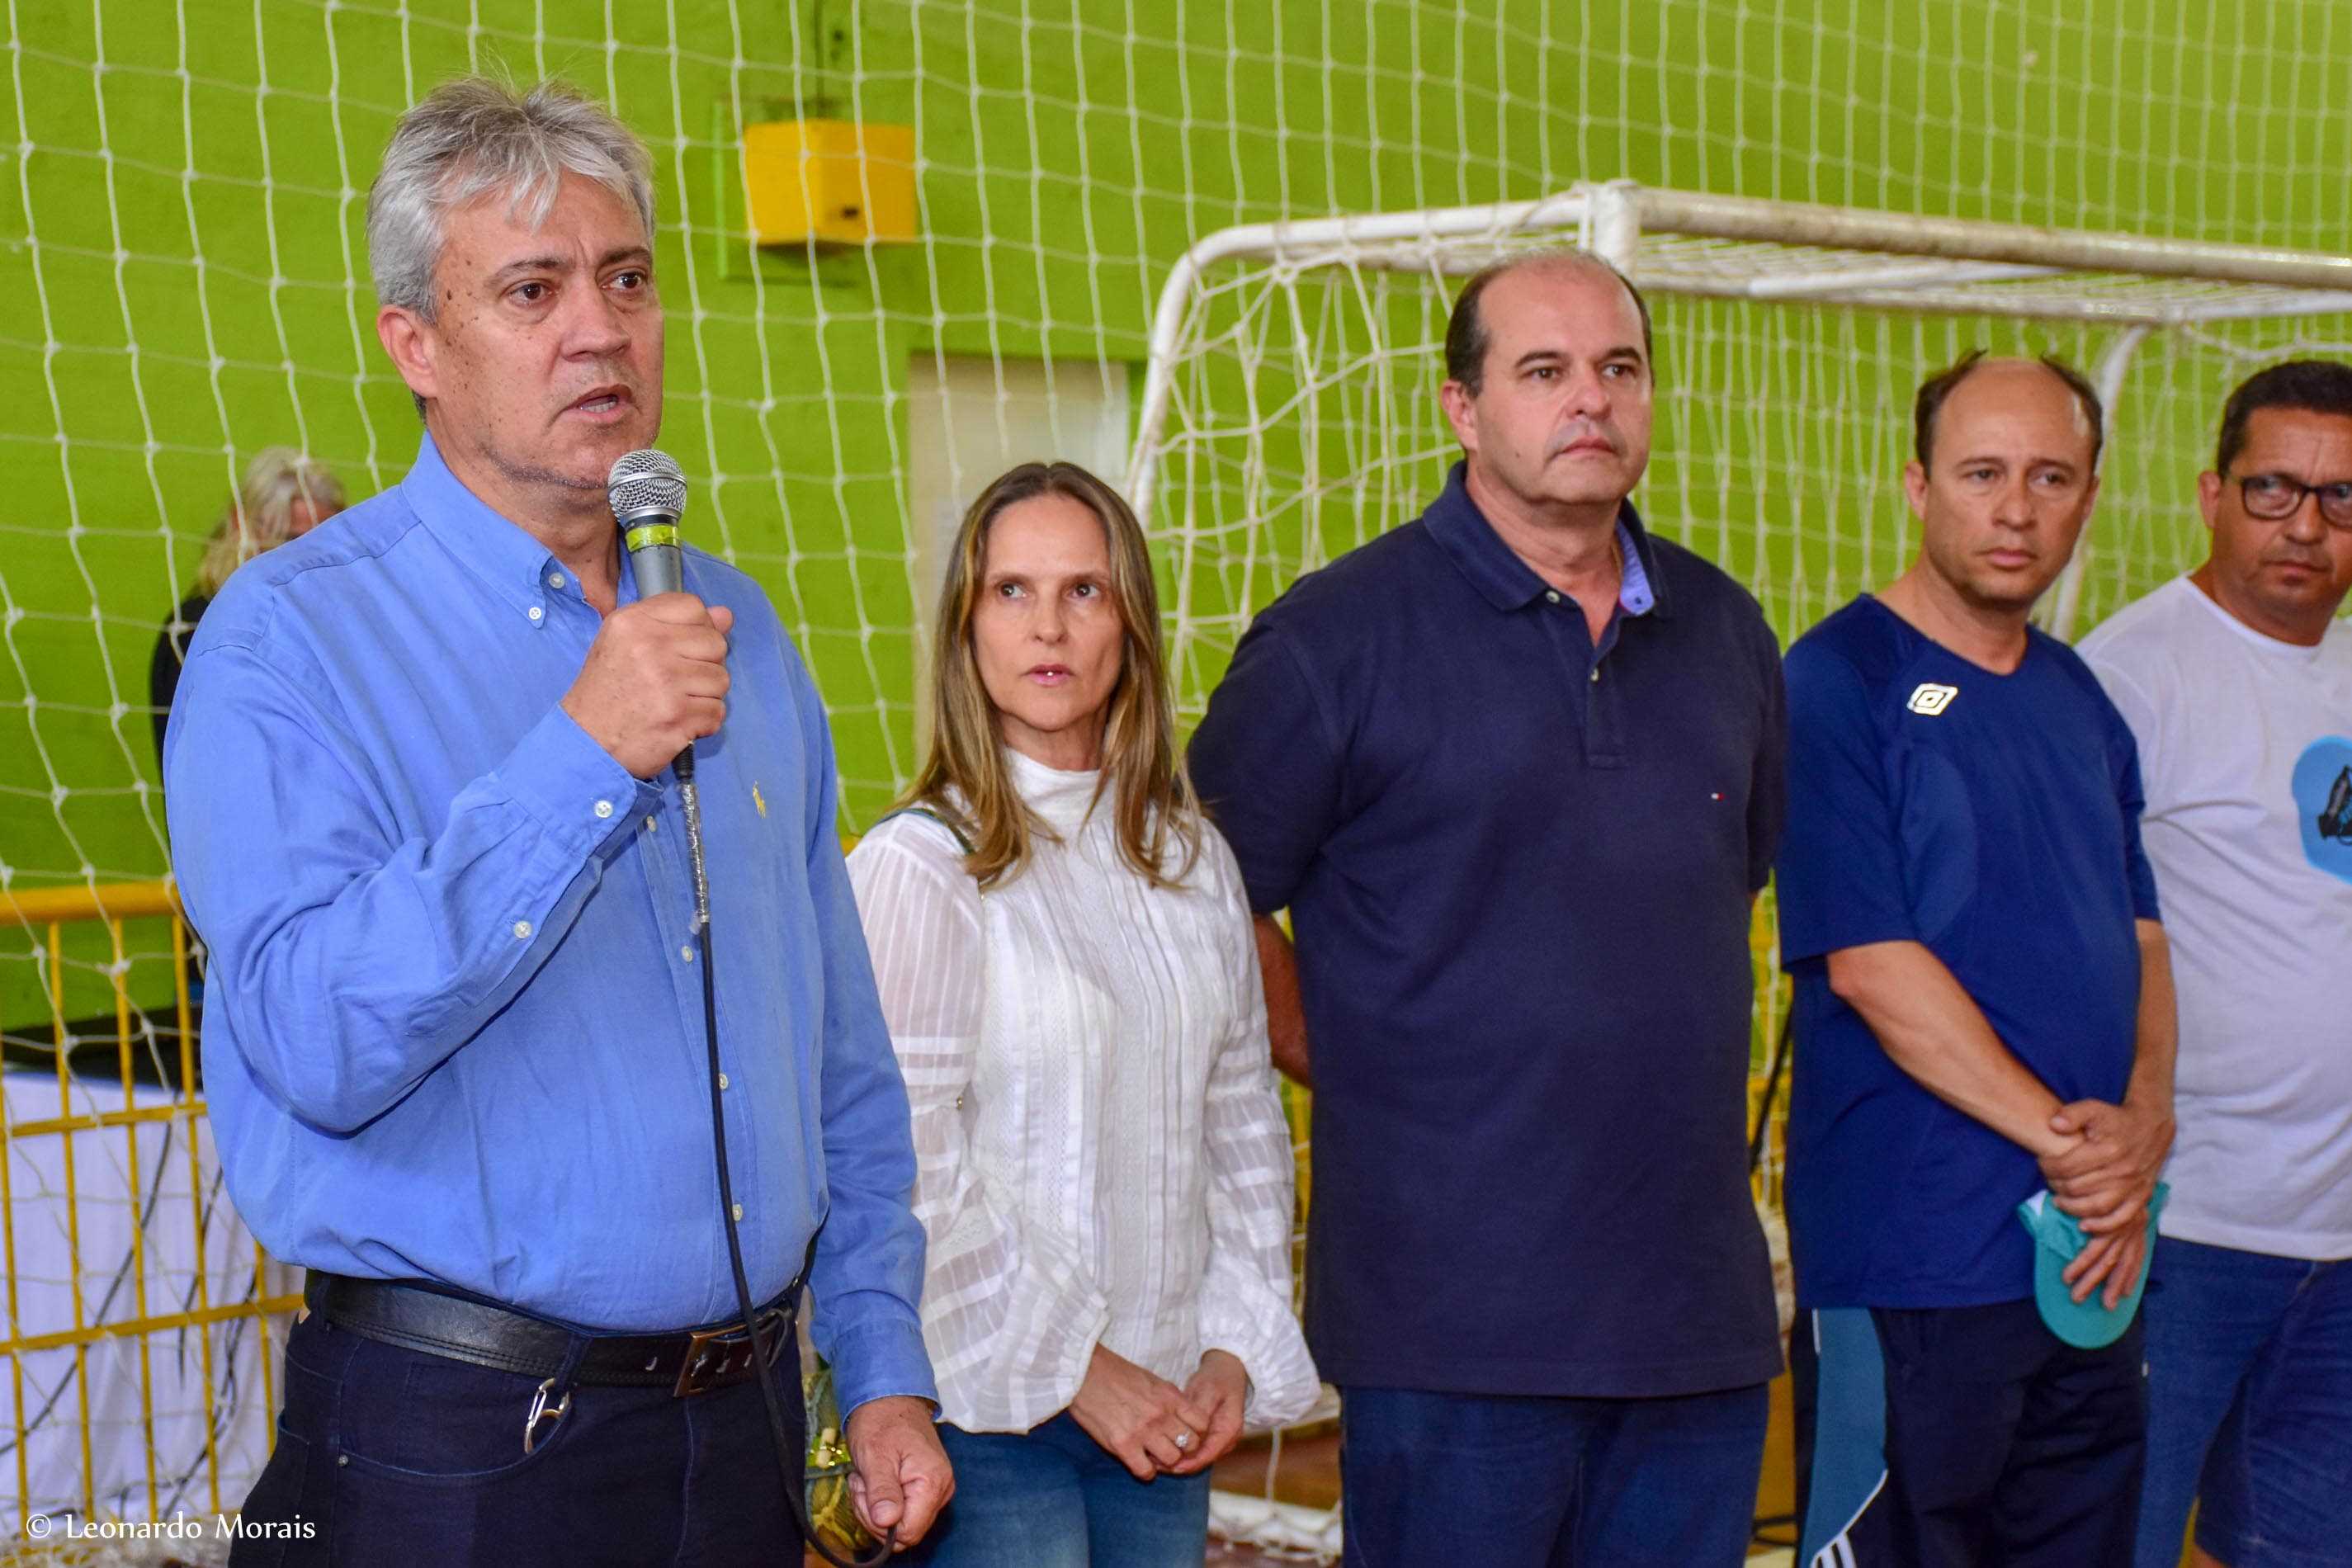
[792,1461]
[647,493]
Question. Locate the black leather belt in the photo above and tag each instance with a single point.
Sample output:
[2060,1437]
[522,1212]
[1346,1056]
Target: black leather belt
[686,1361]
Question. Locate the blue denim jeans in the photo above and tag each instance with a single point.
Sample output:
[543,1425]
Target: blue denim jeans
[1053,1498]
[398,1459]
[2249,1407]
[1547,1483]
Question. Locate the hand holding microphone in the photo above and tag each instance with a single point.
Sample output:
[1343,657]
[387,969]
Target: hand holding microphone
[655,678]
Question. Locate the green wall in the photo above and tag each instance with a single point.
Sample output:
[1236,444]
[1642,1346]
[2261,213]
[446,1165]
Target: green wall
[182,265]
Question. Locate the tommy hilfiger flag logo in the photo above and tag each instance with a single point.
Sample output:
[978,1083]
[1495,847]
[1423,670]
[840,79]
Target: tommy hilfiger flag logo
[1930,699]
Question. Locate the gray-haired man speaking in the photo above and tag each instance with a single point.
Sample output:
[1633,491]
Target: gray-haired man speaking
[423,812]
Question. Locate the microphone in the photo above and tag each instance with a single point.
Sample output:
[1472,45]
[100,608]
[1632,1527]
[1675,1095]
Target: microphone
[647,492]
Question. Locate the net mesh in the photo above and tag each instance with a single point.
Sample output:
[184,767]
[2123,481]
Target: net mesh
[181,186]
[1302,418]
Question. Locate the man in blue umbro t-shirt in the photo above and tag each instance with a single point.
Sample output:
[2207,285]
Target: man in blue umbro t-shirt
[1984,1010]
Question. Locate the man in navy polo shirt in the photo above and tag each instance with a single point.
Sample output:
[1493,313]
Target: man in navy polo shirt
[1984,1010]
[1514,769]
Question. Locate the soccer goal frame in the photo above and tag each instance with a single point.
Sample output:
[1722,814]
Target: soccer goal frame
[1741,248]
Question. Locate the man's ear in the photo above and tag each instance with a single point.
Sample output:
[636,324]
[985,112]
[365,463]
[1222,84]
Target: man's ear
[1455,399]
[413,345]
[1915,488]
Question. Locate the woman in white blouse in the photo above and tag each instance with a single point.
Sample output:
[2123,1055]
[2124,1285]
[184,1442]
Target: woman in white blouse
[1066,963]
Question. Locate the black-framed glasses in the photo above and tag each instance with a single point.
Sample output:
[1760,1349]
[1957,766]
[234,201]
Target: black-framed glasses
[2274,498]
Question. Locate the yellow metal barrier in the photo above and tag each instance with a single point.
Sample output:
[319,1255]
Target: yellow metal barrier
[47,913]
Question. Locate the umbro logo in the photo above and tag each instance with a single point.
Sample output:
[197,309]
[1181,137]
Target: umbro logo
[1931,699]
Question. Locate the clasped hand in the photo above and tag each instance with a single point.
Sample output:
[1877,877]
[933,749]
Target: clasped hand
[1150,1425]
[2105,1180]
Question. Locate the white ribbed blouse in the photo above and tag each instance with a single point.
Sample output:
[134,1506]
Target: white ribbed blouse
[1101,1154]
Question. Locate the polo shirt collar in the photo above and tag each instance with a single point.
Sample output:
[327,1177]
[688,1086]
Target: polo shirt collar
[507,557]
[1508,583]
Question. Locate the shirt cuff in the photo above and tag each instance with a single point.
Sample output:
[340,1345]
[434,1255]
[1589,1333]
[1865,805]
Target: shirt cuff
[877,1360]
[573,787]
[1282,1382]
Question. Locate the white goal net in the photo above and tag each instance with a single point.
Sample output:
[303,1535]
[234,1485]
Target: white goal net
[182,184]
[1290,408]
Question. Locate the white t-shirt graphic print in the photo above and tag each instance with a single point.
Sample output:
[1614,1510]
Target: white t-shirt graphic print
[2245,750]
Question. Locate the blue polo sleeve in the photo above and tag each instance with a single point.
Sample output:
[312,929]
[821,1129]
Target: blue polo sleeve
[1840,865]
[1267,761]
[2133,799]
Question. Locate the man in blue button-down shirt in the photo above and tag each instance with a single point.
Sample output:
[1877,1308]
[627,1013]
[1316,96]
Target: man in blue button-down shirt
[423,815]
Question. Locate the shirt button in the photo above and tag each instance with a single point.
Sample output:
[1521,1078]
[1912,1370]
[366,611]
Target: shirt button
[649,825]
[723,1080]
[604,808]
[536,612]
[1553,594]
[522,931]
[1596,675]
[738,1211]
[686,952]
[555,579]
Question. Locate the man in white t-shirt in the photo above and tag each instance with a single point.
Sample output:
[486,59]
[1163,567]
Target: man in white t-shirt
[2237,680]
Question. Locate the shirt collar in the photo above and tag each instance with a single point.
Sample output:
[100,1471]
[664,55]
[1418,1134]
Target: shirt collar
[1063,798]
[1508,583]
[505,555]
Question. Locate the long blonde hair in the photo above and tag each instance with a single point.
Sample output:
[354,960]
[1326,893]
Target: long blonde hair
[260,516]
[965,778]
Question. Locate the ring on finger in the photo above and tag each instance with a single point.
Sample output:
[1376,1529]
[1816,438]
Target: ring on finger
[1183,1439]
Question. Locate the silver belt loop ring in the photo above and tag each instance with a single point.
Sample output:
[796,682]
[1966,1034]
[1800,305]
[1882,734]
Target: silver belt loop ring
[541,1411]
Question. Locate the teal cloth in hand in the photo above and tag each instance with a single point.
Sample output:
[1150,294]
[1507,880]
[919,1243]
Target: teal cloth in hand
[2087,1323]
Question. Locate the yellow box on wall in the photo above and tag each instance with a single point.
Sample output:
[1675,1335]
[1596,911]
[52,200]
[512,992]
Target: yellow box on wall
[834,180]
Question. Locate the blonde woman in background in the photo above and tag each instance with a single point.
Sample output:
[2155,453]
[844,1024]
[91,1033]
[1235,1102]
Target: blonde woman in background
[285,495]
[1069,972]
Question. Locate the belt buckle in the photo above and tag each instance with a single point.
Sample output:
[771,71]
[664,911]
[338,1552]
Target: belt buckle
[715,1358]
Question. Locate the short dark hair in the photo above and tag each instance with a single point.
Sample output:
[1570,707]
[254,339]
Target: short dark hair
[1937,388]
[2313,385]
[1466,339]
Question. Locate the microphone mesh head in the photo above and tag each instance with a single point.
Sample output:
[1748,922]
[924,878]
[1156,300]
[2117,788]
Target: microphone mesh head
[645,480]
